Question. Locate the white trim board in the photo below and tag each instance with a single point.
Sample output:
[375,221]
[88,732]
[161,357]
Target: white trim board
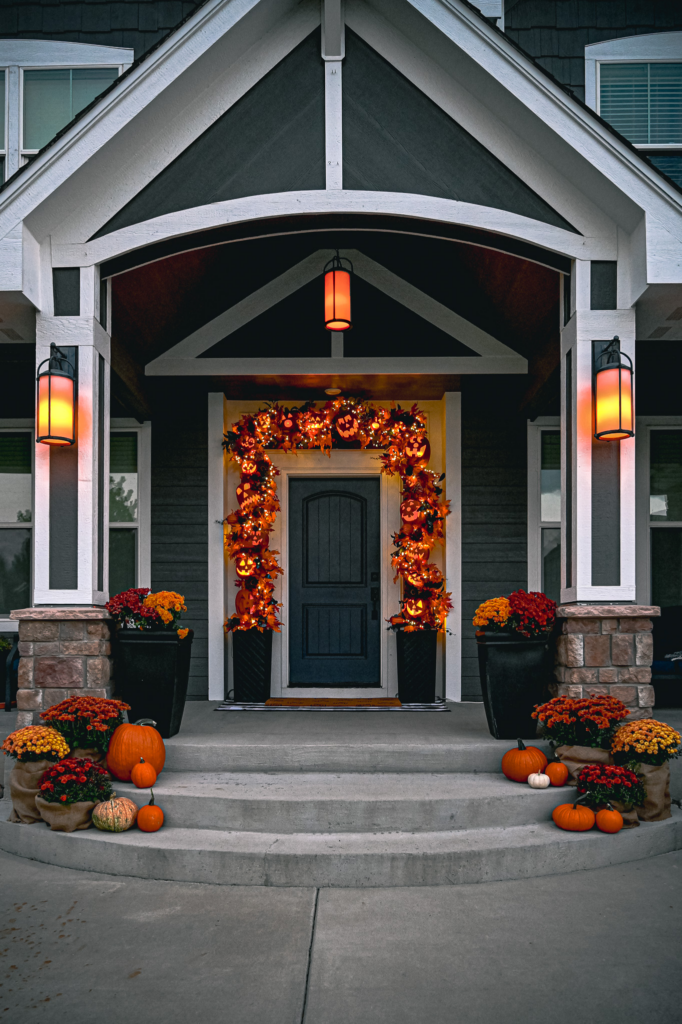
[493,355]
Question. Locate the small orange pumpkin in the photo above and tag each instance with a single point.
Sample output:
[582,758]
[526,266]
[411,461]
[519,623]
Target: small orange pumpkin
[150,817]
[573,817]
[410,511]
[131,742]
[115,815]
[246,565]
[143,774]
[244,491]
[522,761]
[418,451]
[609,820]
[558,773]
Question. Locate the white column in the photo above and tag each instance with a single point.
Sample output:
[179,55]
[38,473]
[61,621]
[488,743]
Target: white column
[333,52]
[217,570]
[578,507]
[90,339]
[453,542]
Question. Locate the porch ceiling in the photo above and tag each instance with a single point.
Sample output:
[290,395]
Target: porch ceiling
[513,299]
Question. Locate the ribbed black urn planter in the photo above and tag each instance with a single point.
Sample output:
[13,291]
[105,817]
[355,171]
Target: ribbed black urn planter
[252,665]
[514,676]
[417,666]
[152,671]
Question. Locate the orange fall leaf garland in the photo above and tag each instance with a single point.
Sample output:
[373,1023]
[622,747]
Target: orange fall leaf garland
[344,422]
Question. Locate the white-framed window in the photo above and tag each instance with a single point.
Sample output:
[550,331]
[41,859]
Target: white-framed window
[659,510]
[129,525]
[635,84]
[16,518]
[544,506]
[45,83]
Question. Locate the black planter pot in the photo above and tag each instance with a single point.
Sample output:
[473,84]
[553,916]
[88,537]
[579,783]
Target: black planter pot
[152,672]
[417,666]
[252,665]
[514,676]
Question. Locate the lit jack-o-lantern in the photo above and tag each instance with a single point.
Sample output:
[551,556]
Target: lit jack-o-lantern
[347,426]
[410,511]
[287,422]
[249,467]
[418,451]
[244,490]
[246,565]
[415,581]
[414,607]
[244,603]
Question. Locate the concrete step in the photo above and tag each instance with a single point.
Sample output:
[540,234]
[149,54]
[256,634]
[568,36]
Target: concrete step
[347,859]
[353,802]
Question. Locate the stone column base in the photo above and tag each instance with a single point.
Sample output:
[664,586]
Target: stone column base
[606,649]
[64,652]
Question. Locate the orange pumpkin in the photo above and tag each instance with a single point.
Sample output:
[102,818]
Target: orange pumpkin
[150,817]
[131,742]
[414,607]
[143,774]
[418,451]
[249,467]
[246,565]
[609,820]
[115,815]
[244,602]
[244,491]
[410,511]
[347,426]
[522,761]
[573,817]
[558,773]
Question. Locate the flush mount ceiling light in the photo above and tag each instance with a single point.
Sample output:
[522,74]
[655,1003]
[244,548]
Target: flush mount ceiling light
[332,391]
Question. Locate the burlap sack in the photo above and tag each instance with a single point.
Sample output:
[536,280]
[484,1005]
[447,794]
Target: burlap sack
[575,759]
[92,755]
[24,784]
[656,780]
[66,817]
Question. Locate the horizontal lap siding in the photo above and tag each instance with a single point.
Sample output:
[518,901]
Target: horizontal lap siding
[179,532]
[494,545]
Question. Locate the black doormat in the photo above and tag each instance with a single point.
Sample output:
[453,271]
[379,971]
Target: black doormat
[230,705]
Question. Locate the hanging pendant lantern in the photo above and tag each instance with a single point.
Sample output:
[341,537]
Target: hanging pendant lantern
[56,400]
[613,394]
[337,294]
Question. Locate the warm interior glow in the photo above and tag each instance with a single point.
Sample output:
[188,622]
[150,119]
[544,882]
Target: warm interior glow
[56,410]
[337,300]
[613,413]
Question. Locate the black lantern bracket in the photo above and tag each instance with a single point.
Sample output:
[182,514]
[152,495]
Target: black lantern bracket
[336,263]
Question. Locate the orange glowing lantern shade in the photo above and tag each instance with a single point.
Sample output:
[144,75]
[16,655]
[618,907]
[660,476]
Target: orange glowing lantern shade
[613,394]
[337,294]
[56,400]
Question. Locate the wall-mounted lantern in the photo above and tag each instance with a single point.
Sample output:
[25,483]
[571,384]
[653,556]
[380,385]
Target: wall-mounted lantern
[614,406]
[337,294]
[56,399]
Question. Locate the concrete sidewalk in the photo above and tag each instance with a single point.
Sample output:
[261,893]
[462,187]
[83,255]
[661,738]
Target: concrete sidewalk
[595,946]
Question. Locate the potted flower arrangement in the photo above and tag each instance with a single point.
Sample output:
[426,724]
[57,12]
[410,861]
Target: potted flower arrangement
[152,655]
[604,784]
[581,729]
[69,791]
[647,747]
[34,748]
[86,723]
[514,659]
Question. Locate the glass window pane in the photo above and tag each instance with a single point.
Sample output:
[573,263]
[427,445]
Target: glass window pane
[550,477]
[624,99]
[123,478]
[15,478]
[665,490]
[669,163]
[551,563]
[15,570]
[666,103]
[54,96]
[2,169]
[666,567]
[122,560]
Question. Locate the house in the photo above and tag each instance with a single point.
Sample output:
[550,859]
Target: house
[506,180]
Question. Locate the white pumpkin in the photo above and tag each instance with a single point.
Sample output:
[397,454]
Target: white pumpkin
[538,780]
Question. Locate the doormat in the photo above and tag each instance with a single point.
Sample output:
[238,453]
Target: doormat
[333,704]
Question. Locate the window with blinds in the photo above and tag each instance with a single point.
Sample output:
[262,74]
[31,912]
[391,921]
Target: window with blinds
[643,101]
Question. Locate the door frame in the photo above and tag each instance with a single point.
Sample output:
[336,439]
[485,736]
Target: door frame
[339,464]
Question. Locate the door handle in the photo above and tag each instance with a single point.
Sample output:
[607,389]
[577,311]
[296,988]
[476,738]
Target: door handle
[374,594]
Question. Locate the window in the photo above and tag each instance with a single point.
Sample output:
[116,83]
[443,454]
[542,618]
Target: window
[665,516]
[643,101]
[16,515]
[44,83]
[129,508]
[53,97]
[544,507]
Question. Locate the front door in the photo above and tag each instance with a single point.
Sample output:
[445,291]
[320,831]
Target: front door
[334,589]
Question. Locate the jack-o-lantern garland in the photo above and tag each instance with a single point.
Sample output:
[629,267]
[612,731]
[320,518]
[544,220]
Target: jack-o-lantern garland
[341,423]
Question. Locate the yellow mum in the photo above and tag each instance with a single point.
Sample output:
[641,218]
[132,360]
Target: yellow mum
[497,610]
[646,736]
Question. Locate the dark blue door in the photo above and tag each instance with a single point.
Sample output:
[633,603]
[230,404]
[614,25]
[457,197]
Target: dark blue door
[334,604]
